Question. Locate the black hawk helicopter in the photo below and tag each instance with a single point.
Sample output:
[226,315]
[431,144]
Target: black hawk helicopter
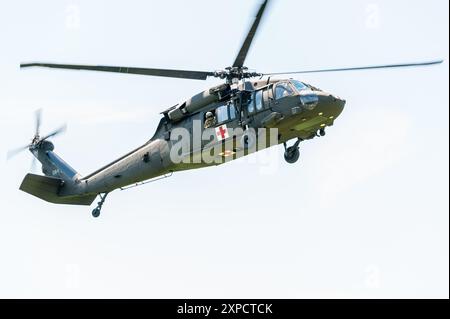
[233,113]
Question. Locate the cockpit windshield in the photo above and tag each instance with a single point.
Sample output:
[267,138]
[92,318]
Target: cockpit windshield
[299,85]
[283,89]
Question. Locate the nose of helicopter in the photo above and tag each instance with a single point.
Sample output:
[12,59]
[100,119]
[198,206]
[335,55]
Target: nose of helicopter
[331,104]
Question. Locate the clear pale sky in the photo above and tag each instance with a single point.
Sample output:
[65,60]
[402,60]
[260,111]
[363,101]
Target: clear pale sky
[363,214]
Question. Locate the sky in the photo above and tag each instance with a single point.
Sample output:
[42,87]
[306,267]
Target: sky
[363,214]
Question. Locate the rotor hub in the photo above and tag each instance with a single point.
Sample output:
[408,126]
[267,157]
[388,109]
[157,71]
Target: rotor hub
[232,74]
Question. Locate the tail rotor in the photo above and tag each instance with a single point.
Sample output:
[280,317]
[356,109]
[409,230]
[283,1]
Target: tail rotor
[37,141]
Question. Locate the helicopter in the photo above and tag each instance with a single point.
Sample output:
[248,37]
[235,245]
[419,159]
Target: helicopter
[220,124]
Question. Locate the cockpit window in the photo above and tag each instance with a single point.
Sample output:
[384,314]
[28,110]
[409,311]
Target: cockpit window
[283,90]
[259,100]
[299,85]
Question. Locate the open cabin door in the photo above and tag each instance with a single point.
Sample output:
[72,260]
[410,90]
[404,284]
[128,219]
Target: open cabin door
[218,133]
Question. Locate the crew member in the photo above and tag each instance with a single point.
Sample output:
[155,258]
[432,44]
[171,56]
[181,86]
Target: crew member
[210,120]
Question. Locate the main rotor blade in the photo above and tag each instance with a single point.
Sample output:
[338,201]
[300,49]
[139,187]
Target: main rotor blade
[16,151]
[62,129]
[182,74]
[240,59]
[388,66]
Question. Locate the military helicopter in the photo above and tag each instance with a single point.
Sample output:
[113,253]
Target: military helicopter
[231,112]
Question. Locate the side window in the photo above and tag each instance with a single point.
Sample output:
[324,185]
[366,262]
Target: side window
[222,114]
[251,105]
[225,113]
[232,110]
[283,90]
[259,100]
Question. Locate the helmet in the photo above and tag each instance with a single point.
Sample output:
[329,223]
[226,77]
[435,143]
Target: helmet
[209,115]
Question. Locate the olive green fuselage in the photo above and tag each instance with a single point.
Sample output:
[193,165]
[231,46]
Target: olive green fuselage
[289,115]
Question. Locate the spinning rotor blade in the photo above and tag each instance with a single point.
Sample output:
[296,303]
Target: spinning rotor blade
[38,115]
[388,66]
[36,139]
[62,129]
[240,59]
[16,151]
[33,166]
[181,74]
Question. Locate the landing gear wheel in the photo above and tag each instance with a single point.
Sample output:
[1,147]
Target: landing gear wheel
[96,213]
[292,154]
[322,132]
[98,209]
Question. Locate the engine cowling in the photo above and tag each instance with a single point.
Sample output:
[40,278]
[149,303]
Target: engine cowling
[46,146]
[199,101]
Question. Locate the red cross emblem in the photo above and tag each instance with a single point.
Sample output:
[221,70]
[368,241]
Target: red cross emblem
[222,132]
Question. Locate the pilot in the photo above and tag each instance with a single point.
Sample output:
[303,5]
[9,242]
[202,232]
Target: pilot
[210,120]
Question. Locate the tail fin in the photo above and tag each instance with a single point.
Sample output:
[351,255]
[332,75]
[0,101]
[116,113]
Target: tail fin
[47,188]
[55,166]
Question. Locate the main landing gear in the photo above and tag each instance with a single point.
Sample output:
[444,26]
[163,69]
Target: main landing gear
[322,132]
[292,153]
[97,210]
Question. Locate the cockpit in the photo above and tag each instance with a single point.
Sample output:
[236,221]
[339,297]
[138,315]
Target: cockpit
[308,95]
[288,88]
[283,89]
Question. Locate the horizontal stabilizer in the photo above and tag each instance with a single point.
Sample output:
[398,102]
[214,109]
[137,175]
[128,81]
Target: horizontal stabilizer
[47,188]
